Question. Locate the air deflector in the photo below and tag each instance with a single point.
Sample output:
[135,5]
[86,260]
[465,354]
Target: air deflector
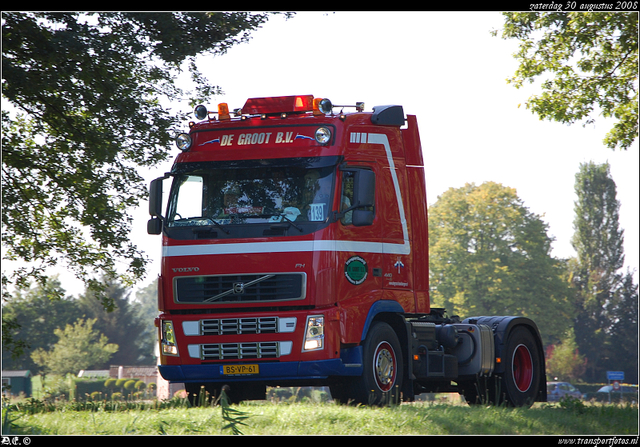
[388,116]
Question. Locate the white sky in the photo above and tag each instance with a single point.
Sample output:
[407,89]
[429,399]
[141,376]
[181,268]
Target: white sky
[445,68]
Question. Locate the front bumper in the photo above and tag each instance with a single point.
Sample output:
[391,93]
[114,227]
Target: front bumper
[349,364]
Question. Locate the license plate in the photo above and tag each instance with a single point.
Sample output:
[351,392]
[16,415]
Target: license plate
[235,370]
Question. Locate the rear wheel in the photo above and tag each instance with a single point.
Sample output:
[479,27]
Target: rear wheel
[381,379]
[521,380]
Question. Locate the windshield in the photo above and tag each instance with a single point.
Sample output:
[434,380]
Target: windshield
[228,194]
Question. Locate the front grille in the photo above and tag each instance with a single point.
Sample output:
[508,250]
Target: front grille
[240,288]
[233,351]
[235,326]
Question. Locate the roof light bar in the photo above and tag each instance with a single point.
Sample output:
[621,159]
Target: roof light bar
[278,105]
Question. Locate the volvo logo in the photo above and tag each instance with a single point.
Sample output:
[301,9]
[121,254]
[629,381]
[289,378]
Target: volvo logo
[238,288]
[186,269]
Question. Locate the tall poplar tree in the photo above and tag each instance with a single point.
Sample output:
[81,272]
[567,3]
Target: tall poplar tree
[598,241]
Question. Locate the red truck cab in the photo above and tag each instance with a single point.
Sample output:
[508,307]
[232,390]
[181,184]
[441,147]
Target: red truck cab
[295,252]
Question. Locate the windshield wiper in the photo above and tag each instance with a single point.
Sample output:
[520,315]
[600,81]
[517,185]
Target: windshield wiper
[284,216]
[205,228]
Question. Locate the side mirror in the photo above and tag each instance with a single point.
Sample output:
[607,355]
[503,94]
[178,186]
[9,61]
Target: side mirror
[154,226]
[364,188]
[155,198]
[362,218]
[364,194]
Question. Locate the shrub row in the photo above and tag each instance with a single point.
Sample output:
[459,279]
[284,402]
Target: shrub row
[113,388]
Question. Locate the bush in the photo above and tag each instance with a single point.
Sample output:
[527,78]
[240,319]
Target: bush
[85,387]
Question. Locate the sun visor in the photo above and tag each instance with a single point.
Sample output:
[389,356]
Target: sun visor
[388,116]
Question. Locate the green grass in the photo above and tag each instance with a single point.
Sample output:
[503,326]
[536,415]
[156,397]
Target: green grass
[270,418]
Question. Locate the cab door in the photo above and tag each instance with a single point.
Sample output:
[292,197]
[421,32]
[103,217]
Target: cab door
[358,245]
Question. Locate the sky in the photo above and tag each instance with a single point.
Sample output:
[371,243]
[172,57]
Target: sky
[448,70]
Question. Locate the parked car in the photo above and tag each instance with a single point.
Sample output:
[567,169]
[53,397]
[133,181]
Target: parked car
[558,390]
[608,394]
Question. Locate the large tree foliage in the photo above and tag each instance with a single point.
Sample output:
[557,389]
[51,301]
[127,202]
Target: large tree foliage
[589,65]
[489,255]
[89,94]
[598,241]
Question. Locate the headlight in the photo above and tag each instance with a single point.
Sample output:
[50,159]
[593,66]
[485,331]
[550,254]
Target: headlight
[168,343]
[323,135]
[314,335]
[183,141]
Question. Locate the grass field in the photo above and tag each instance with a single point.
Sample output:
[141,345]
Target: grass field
[283,418]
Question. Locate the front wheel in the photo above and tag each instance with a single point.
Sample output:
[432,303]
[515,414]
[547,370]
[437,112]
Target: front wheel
[381,380]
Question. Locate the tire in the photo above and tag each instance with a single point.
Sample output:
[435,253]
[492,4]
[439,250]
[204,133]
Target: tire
[381,379]
[520,383]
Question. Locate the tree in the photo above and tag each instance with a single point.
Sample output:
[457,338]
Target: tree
[78,347]
[36,313]
[565,361]
[598,241]
[592,60]
[489,255]
[622,340]
[145,302]
[89,94]
[123,326]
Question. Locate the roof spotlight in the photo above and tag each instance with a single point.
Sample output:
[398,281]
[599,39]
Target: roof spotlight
[201,112]
[325,106]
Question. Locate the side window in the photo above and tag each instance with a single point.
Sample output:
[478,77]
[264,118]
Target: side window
[346,199]
[357,197]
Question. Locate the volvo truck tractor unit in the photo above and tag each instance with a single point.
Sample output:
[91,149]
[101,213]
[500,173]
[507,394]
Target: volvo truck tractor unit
[295,253]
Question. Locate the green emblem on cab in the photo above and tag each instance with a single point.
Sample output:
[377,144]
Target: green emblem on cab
[355,270]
